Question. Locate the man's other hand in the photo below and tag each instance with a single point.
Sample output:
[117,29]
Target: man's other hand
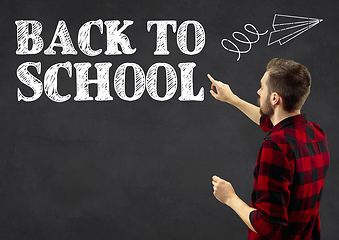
[223,190]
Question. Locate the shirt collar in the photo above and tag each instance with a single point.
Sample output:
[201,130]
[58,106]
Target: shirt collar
[287,121]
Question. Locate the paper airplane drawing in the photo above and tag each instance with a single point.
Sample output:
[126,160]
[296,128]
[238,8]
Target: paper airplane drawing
[288,27]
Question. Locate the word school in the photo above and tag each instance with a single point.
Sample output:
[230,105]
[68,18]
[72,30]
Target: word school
[29,42]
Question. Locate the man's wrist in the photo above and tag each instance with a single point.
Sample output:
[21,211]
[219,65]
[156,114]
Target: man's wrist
[242,209]
[235,101]
[233,201]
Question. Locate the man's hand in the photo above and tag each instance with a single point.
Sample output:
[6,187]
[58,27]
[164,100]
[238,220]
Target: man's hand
[224,92]
[223,190]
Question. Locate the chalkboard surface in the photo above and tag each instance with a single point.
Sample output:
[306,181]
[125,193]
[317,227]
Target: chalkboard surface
[137,161]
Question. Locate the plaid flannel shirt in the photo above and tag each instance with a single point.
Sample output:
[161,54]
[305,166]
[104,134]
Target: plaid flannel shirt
[288,180]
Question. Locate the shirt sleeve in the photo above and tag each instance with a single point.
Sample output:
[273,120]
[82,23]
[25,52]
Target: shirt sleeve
[265,124]
[274,177]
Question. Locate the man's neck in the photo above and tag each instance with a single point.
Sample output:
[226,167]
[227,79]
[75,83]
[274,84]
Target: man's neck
[280,115]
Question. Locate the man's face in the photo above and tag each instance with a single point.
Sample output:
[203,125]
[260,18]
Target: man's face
[266,109]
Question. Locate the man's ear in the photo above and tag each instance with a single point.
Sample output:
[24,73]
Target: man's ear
[275,99]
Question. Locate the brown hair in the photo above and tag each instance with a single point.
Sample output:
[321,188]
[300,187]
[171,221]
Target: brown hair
[291,80]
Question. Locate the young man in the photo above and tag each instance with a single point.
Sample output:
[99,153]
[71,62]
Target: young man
[292,161]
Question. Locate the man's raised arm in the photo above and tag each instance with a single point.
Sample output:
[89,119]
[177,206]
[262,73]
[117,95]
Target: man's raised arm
[224,93]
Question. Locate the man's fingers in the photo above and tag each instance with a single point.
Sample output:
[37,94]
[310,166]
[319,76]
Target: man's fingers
[213,93]
[210,77]
[215,83]
[213,86]
[216,178]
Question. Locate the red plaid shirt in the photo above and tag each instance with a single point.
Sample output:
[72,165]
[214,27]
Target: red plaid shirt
[288,180]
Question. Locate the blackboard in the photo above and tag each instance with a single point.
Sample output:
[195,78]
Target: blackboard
[142,169]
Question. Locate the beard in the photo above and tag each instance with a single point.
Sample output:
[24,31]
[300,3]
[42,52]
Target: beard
[266,110]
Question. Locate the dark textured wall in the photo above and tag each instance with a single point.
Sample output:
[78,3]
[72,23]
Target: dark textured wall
[142,169]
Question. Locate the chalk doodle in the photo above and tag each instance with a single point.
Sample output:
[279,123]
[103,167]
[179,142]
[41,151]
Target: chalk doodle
[288,27]
[248,41]
[285,28]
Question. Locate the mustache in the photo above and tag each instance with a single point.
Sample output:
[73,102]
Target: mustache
[258,101]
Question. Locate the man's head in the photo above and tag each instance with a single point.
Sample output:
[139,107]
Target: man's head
[288,80]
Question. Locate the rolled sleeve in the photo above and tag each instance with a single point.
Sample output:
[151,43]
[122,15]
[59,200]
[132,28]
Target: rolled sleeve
[274,178]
